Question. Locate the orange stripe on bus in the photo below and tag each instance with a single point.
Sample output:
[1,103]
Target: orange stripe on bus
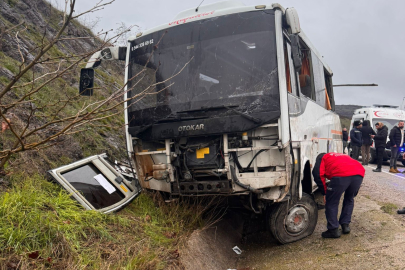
[336,132]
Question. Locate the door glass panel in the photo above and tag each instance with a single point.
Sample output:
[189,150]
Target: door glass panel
[82,179]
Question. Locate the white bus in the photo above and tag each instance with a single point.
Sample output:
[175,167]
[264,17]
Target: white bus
[243,104]
[389,116]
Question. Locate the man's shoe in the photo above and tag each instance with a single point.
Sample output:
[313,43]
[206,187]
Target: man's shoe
[392,170]
[335,233]
[401,212]
[345,228]
[377,170]
[396,170]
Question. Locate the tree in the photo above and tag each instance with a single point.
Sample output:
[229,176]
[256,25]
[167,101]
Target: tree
[50,110]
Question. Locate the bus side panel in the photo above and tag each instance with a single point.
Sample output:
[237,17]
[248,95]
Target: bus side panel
[318,131]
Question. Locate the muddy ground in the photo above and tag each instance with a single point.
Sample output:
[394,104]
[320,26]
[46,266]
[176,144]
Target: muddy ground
[377,240]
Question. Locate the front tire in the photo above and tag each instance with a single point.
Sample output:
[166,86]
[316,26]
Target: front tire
[295,222]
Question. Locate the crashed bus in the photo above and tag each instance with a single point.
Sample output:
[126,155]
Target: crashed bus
[243,104]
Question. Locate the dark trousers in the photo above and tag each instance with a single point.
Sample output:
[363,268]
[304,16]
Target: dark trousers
[344,146]
[349,185]
[355,152]
[380,154]
[394,156]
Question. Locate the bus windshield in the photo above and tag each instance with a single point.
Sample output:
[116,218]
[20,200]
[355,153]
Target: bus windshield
[223,61]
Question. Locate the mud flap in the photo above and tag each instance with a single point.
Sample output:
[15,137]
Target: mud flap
[96,184]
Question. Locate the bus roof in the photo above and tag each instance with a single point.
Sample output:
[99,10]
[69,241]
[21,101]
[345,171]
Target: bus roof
[225,8]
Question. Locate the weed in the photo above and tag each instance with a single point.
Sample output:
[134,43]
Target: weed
[389,208]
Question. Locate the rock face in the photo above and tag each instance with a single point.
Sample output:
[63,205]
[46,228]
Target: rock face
[41,19]
[37,21]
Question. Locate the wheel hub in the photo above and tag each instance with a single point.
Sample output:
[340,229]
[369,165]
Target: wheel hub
[297,220]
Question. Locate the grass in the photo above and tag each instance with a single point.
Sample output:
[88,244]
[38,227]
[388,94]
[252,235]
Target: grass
[389,208]
[39,219]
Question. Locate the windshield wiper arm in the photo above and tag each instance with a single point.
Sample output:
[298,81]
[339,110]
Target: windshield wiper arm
[245,115]
[209,108]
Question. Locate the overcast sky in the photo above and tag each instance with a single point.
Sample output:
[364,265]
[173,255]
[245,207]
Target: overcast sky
[363,41]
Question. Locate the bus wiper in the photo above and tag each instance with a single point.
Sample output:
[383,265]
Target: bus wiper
[203,108]
[245,115]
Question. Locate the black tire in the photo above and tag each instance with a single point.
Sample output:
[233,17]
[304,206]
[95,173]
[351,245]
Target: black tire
[373,156]
[403,162]
[279,215]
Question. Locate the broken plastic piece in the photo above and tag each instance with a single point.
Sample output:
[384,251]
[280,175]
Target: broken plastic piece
[237,250]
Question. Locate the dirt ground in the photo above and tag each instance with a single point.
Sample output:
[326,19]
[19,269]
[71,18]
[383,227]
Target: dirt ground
[377,240]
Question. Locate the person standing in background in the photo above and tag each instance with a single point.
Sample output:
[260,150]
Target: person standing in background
[345,139]
[356,139]
[380,142]
[366,132]
[396,141]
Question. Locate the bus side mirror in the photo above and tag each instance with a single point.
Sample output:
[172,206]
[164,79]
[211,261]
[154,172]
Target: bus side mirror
[291,16]
[296,51]
[86,81]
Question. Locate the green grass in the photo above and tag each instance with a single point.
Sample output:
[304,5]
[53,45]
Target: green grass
[38,216]
[389,208]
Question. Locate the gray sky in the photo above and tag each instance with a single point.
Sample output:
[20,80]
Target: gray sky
[362,41]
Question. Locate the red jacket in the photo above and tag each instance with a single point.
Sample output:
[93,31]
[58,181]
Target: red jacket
[335,165]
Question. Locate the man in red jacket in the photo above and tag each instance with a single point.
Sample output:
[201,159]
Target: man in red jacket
[345,175]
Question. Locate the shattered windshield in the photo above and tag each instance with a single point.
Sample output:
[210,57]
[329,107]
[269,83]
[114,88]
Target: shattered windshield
[223,61]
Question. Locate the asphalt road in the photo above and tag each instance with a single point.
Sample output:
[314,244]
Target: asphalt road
[377,240]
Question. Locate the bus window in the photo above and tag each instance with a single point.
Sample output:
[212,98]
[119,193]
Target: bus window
[330,99]
[319,82]
[290,70]
[305,75]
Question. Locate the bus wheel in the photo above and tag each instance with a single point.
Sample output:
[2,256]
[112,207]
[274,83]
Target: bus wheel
[290,223]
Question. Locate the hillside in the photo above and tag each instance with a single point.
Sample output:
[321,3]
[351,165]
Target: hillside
[41,20]
[346,112]
[41,227]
